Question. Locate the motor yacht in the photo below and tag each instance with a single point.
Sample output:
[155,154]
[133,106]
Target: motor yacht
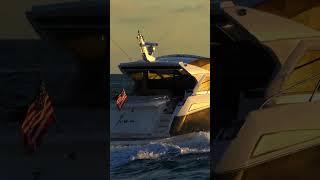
[167,96]
[274,133]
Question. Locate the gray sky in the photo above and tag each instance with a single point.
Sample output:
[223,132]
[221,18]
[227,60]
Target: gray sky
[179,26]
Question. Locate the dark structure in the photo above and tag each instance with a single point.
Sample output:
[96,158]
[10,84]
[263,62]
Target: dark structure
[23,64]
[242,67]
[72,58]
[81,29]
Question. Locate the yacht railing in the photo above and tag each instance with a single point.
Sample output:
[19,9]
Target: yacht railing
[202,93]
[269,99]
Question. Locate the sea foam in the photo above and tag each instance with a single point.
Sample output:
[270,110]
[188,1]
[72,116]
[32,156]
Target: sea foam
[198,142]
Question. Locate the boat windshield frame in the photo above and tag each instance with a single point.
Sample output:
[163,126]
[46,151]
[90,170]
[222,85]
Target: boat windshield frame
[160,81]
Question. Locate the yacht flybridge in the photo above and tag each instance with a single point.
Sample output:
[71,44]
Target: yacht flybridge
[170,96]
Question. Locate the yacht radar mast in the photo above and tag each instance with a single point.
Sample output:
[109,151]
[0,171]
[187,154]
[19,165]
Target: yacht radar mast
[147,49]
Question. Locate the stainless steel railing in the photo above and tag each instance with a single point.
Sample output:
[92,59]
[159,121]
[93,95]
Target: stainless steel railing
[269,99]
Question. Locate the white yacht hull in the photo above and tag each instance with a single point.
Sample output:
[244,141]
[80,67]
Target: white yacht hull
[140,118]
[150,118]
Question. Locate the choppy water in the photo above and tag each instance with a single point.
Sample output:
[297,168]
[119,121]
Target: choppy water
[182,157]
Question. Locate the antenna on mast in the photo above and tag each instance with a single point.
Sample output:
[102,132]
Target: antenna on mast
[147,48]
[124,52]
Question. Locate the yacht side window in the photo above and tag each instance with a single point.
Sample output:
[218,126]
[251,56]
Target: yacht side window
[307,66]
[205,85]
[276,141]
[161,82]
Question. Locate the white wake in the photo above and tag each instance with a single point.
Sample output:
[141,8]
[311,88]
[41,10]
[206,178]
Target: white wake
[198,142]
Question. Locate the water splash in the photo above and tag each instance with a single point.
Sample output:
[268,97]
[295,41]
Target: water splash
[198,142]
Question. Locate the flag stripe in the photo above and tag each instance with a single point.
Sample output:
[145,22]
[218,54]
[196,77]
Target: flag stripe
[30,113]
[38,120]
[122,98]
[28,121]
[37,132]
[46,105]
[39,116]
[35,116]
[43,112]
[42,127]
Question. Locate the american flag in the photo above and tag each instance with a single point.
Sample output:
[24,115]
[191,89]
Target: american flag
[121,99]
[39,116]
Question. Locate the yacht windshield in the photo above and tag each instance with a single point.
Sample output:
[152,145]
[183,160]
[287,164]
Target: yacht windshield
[161,82]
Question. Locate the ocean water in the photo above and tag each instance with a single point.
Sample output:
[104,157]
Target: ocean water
[181,157]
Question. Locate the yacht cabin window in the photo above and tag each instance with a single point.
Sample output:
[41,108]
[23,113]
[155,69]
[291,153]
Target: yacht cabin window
[307,66]
[205,85]
[308,88]
[277,141]
[161,82]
